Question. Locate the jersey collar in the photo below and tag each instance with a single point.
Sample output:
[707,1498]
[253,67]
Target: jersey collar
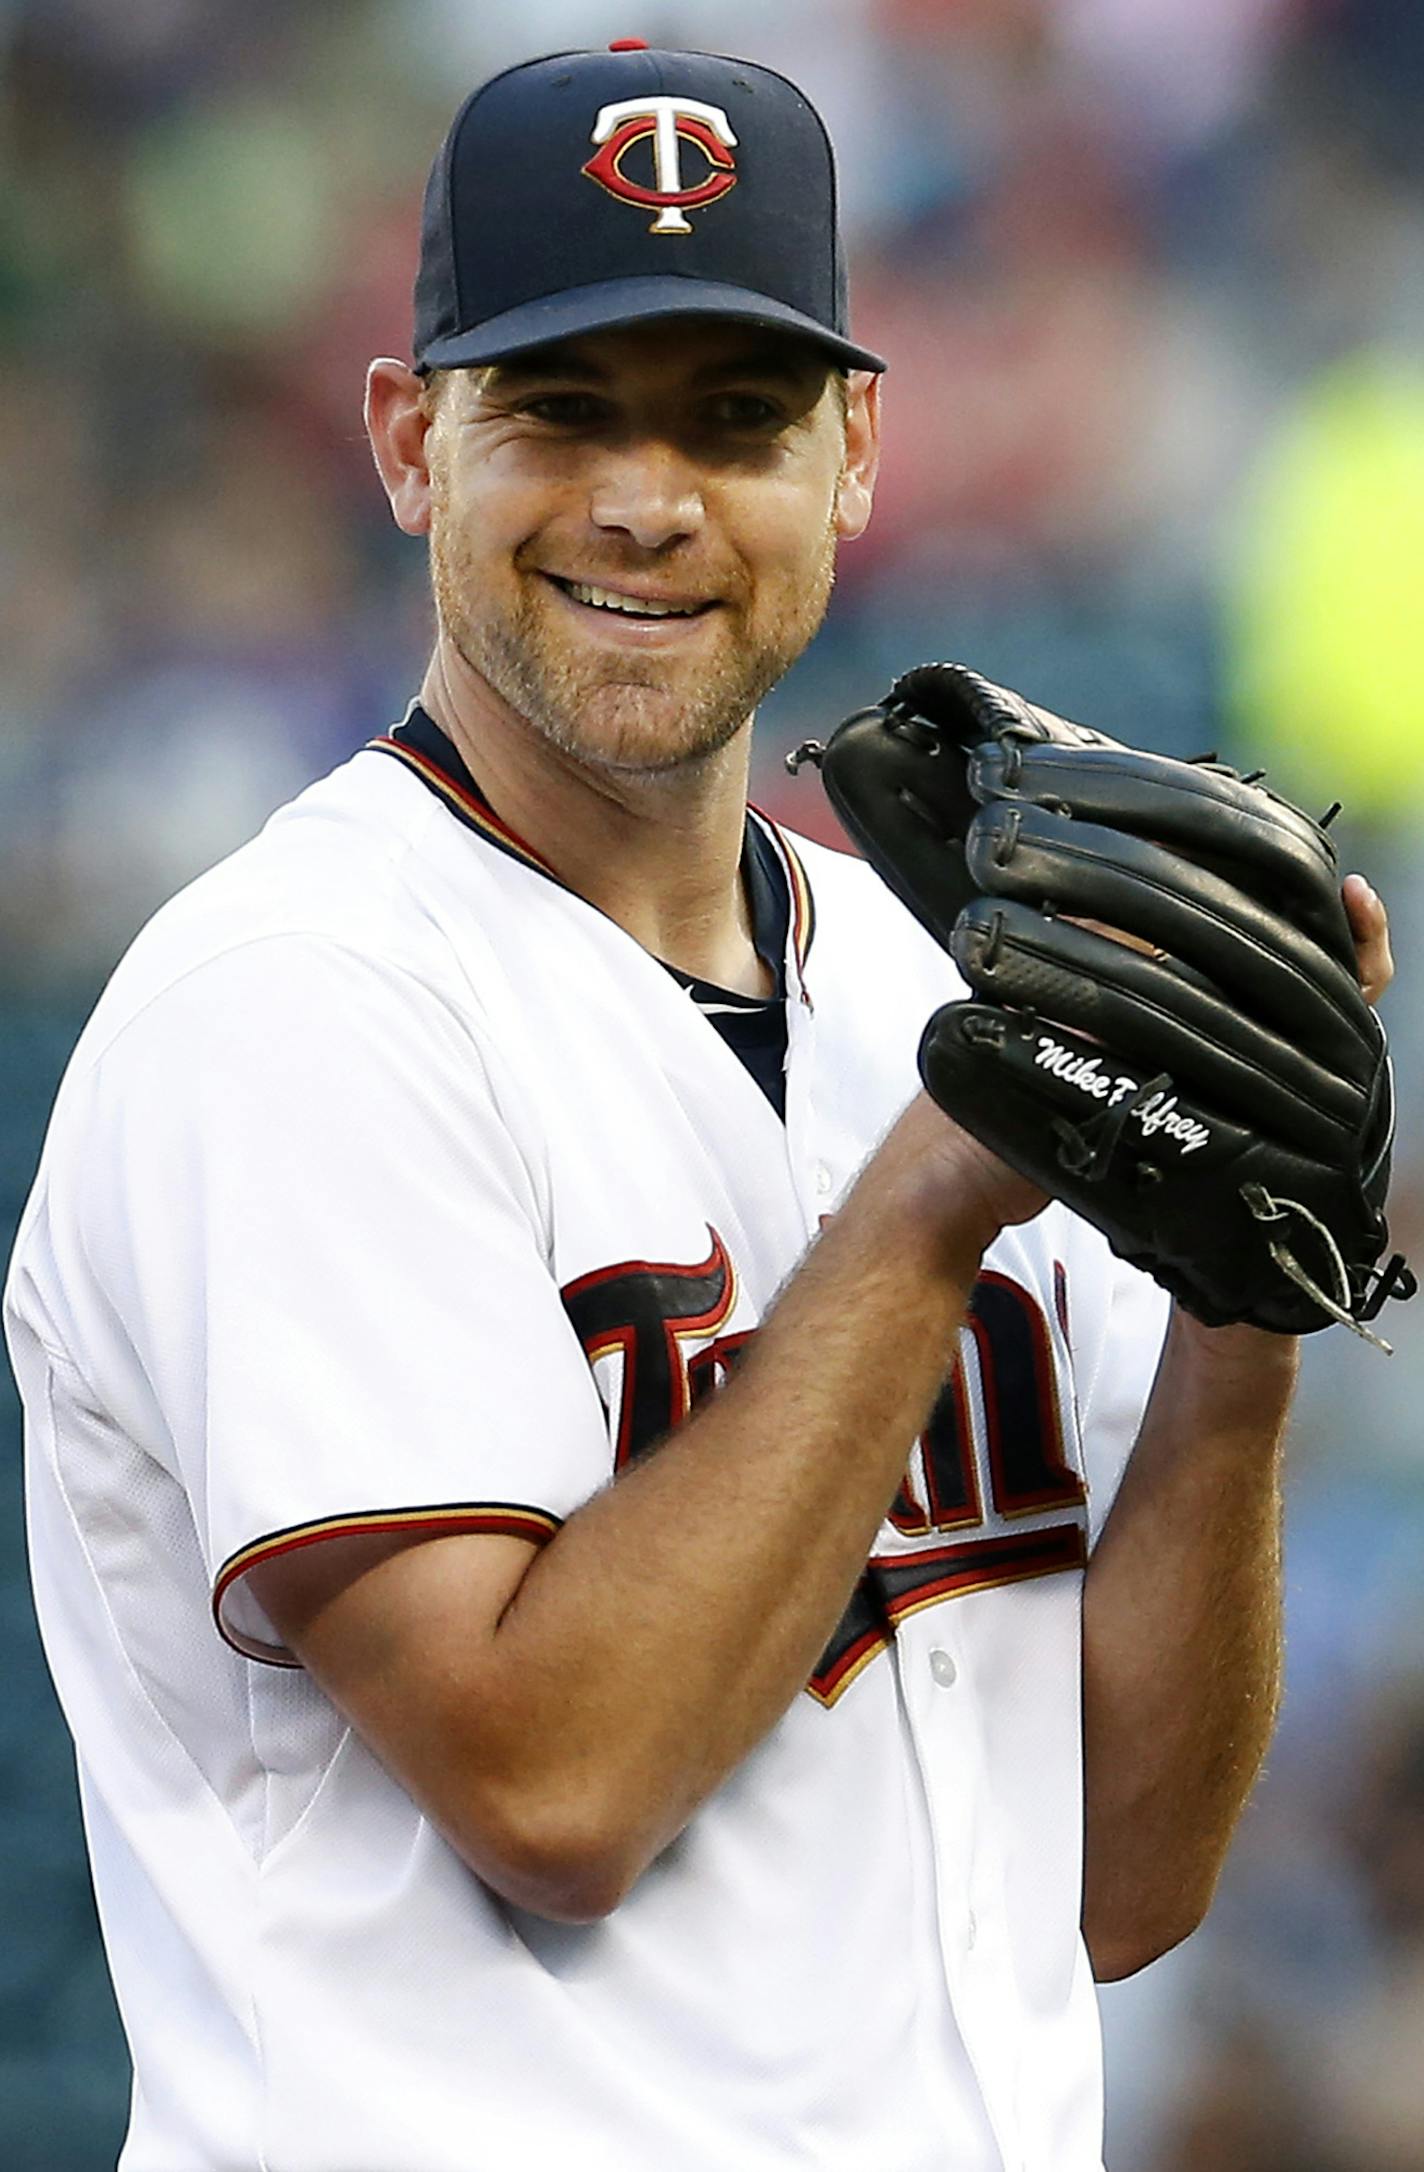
[419,743]
[783,912]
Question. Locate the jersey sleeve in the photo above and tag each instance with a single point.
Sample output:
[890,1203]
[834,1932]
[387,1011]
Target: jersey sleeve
[1120,1373]
[310,1214]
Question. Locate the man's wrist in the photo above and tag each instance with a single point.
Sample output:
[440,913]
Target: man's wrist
[964,1184]
[1252,1348]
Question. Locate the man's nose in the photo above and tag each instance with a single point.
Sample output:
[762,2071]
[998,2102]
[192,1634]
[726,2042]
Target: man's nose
[650,491]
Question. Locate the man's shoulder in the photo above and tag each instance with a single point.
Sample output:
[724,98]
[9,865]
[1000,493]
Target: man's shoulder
[337,868]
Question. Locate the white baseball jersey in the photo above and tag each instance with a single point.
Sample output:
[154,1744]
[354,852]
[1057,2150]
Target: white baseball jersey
[393,1186]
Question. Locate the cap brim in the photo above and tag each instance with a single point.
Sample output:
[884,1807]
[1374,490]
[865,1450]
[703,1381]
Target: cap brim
[615,302]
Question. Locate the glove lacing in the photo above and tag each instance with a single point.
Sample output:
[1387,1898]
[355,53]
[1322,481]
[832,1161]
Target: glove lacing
[1265,1208]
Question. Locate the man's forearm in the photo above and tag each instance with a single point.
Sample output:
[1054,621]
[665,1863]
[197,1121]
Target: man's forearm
[1182,1639]
[699,1590]
[561,1714]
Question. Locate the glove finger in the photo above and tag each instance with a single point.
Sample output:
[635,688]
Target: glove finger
[1252,954]
[1241,831]
[1160,1019]
[906,803]
[969,708]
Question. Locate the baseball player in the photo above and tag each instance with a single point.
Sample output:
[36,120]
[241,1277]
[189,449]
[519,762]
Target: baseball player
[579,1523]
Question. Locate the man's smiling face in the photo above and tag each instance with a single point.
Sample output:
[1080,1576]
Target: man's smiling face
[633,534]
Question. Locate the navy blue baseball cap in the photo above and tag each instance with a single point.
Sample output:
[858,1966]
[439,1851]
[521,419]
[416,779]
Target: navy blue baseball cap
[588,190]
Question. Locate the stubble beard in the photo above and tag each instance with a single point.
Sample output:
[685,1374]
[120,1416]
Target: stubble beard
[647,719]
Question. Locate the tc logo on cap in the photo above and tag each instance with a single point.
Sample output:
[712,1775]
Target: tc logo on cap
[670,122]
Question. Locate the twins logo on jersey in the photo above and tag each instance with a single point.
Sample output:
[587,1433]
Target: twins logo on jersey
[994,1452]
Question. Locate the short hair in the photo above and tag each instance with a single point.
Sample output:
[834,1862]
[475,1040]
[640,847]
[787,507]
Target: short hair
[434,385]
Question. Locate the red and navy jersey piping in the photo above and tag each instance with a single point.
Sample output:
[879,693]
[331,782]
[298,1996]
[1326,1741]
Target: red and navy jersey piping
[419,744]
[509,1519]
[798,886]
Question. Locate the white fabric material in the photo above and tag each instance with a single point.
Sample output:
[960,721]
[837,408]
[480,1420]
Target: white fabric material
[355,1109]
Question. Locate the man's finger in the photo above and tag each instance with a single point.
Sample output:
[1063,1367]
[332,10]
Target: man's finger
[1369,924]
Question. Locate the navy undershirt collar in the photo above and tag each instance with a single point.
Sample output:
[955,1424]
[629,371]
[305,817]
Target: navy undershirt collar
[753,1027]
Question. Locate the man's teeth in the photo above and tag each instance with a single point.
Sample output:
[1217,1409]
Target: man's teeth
[607,599]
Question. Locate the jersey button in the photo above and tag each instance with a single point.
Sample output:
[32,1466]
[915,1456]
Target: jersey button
[971,1930]
[942,1667]
[823,1180]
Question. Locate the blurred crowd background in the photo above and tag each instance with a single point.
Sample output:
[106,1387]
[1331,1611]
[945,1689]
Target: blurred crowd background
[1151,277]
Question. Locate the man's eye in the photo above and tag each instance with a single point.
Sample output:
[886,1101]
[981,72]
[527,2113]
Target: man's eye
[563,407]
[745,411]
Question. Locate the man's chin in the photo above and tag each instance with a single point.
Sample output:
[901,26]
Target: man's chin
[644,740]
[636,730]
[648,726]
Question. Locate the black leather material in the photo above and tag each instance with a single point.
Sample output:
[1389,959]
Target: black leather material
[1196,1071]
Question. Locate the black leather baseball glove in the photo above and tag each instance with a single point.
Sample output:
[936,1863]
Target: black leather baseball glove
[1206,1083]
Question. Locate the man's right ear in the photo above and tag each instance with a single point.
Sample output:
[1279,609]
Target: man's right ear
[397,424]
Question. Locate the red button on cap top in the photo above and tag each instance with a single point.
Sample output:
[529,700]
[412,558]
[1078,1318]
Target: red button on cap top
[628,45]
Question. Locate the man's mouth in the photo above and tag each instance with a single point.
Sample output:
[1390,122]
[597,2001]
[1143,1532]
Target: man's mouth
[630,606]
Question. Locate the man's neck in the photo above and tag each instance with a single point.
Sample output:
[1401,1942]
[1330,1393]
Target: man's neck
[661,855]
